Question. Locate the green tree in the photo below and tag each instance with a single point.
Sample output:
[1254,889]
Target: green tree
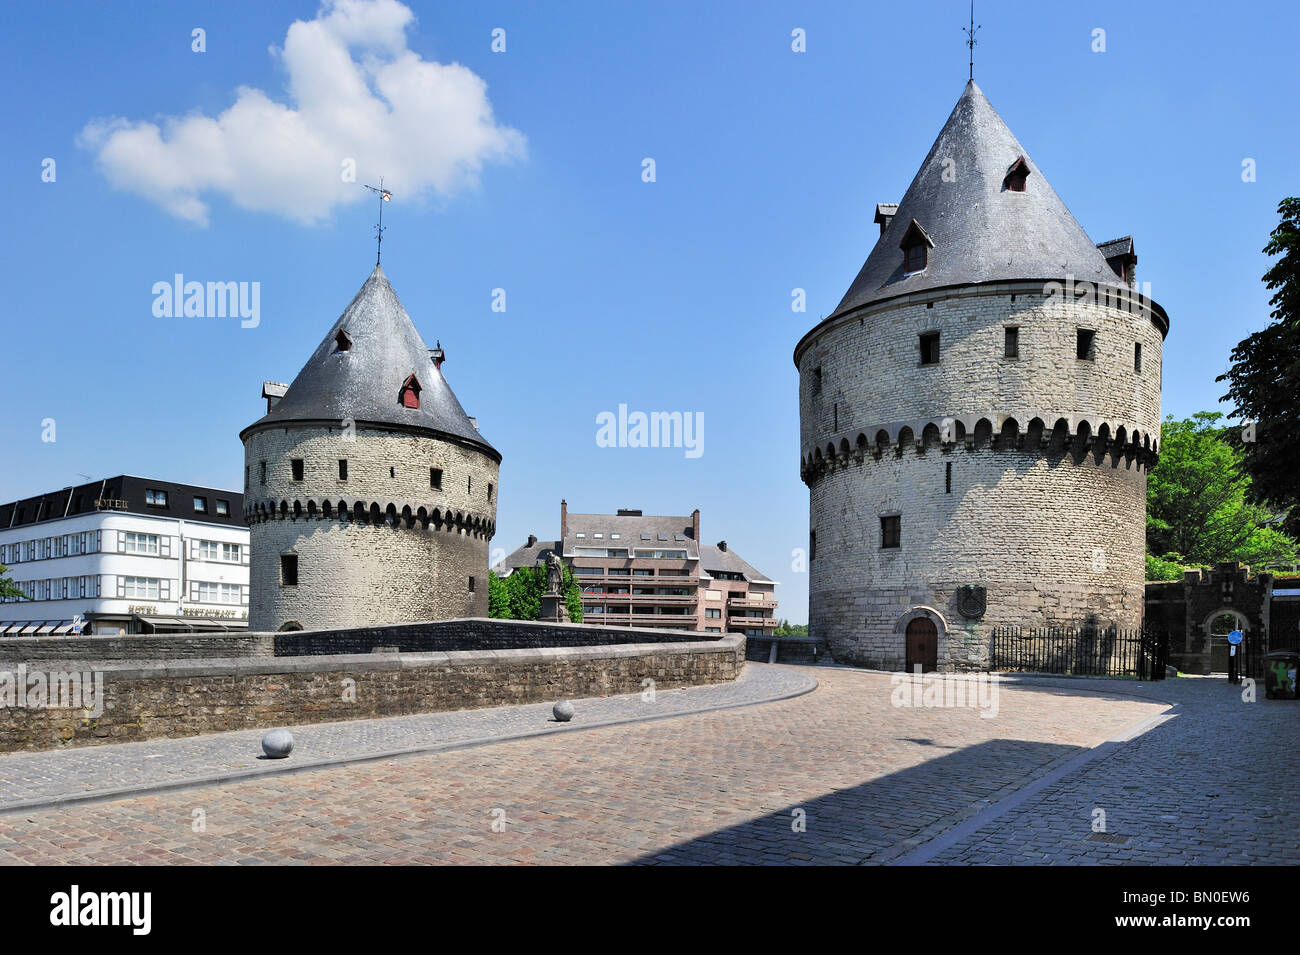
[7,588]
[1264,378]
[519,596]
[787,629]
[1199,505]
[1168,567]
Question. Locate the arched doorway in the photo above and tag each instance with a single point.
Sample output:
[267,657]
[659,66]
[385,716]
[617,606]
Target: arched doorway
[922,645]
[1217,627]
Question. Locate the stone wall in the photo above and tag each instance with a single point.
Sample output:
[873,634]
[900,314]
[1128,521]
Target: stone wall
[413,555]
[137,647]
[1048,514]
[426,637]
[186,698]
[476,634]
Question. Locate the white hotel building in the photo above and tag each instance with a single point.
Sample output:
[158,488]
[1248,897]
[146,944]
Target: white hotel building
[125,555]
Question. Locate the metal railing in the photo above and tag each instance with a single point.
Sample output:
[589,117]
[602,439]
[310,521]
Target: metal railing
[1082,651]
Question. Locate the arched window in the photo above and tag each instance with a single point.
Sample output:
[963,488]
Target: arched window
[409,396]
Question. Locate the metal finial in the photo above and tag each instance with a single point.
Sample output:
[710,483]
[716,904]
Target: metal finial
[384,196]
[970,38]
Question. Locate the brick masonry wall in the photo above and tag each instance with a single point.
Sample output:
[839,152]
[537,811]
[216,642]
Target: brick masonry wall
[190,698]
[1056,537]
[353,574]
[1186,610]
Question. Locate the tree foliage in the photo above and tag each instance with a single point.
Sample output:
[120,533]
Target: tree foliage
[1264,378]
[7,588]
[1168,567]
[519,596]
[787,629]
[1199,505]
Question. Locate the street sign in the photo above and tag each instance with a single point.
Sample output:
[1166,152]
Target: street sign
[1235,637]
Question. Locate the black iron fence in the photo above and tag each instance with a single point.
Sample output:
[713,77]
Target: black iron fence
[1082,651]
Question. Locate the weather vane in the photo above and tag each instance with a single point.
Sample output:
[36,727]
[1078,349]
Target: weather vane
[384,196]
[970,38]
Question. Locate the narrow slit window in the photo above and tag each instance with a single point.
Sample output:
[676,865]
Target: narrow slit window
[435,478]
[343,469]
[890,531]
[1137,356]
[1086,344]
[288,570]
[930,348]
[1011,342]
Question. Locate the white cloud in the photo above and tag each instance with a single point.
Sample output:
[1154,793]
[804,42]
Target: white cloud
[357,93]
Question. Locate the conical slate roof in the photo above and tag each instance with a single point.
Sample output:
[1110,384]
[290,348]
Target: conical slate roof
[364,382]
[982,231]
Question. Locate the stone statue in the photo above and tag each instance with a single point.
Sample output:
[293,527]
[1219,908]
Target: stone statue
[554,607]
[554,574]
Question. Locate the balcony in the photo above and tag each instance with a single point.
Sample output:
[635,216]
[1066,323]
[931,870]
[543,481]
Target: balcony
[664,600]
[752,603]
[751,623]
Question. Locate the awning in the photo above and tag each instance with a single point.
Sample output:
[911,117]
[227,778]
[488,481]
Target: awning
[183,623]
[40,628]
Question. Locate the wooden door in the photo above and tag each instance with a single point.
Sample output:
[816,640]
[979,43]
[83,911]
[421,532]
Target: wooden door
[922,645]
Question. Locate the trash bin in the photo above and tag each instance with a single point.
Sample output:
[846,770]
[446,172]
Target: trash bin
[1280,674]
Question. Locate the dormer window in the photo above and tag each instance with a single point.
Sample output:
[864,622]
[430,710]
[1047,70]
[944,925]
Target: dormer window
[916,246]
[1016,176]
[343,341]
[409,396]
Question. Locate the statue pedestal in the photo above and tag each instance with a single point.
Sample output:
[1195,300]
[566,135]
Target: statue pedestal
[554,609]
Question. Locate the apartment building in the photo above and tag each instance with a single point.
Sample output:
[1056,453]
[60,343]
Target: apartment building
[644,570]
[125,555]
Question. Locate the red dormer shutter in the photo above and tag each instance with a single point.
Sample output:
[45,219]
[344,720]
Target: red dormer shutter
[410,393]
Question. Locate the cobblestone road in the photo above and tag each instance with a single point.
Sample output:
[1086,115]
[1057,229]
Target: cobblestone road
[28,778]
[1213,784]
[839,775]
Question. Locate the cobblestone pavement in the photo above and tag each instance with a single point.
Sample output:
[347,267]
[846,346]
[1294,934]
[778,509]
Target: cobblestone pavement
[1212,784]
[839,775]
[33,778]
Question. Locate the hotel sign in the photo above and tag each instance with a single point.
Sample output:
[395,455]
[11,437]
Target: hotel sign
[110,504]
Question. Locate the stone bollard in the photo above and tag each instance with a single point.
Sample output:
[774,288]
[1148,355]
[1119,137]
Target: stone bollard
[563,711]
[277,744]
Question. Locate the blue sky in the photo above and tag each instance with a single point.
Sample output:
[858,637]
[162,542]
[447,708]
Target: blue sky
[671,295]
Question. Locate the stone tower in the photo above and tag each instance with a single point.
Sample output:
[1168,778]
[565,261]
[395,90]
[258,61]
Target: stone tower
[978,416]
[370,495]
